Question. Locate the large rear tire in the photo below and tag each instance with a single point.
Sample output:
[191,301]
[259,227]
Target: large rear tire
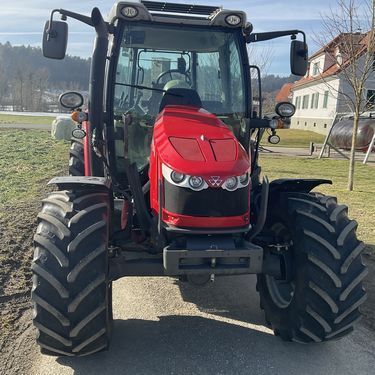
[71,291]
[76,158]
[320,301]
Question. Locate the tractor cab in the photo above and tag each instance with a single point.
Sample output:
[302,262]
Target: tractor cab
[164,64]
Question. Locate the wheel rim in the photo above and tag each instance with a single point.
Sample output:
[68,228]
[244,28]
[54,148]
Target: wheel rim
[281,291]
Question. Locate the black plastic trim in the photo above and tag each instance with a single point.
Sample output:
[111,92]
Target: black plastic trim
[211,202]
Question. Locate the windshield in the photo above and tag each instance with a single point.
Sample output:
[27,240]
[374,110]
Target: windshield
[154,58]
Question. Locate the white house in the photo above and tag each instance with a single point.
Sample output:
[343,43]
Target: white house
[321,93]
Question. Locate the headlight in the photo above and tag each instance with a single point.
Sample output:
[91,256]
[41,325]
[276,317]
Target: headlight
[231,183]
[244,178]
[196,182]
[177,177]
[182,180]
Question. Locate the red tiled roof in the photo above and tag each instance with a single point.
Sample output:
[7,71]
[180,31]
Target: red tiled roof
[284,94]
[334,68]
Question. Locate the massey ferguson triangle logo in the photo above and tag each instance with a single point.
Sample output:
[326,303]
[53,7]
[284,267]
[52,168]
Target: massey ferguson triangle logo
[215,181]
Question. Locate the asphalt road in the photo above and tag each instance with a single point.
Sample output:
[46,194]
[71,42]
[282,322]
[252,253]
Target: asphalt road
[164,327]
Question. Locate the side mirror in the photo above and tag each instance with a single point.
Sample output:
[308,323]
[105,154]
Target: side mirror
[55,40]
[298,57]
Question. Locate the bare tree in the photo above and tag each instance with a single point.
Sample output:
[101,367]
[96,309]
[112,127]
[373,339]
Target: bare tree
[350,25]
[262,56]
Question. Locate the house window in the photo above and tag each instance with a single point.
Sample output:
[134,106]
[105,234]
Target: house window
[305,123]
[312,101]
[325,126]
[325,100]
[370,99]
[298,102]
[316,100]
[315,69]
[305,102]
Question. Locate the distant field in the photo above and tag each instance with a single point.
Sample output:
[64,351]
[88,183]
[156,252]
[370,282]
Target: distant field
[295,138]
[18,119]
[361,201]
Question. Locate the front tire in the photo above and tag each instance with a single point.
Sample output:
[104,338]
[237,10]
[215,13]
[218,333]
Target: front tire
[320,301]
[76,158]
[71,291]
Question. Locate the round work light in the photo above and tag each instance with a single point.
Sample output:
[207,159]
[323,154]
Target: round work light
[285,109]
[233,20]
[129,12]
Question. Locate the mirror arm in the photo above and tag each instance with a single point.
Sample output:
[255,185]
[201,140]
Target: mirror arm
[66,13]
[260,37]
[79,17]
[51,33]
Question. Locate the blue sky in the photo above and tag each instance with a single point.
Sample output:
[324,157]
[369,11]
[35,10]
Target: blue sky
[21,22]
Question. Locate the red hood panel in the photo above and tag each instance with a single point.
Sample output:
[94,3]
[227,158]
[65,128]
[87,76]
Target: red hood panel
[224,149]
[188,148]
[194,141]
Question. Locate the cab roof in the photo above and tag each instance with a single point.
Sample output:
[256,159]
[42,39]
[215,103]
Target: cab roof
[155,11]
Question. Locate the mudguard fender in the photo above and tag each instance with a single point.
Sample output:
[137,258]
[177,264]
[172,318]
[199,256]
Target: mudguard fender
[272,197]
[84,182]
[296,185]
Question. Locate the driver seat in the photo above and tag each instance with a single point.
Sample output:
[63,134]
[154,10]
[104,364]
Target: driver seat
[181,96]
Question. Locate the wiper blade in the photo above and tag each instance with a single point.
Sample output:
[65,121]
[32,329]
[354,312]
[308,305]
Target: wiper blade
[148,88]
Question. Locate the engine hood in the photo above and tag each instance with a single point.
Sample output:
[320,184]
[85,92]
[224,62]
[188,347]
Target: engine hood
[195,142]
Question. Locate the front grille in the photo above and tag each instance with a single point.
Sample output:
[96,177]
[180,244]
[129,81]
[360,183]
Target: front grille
[156,6]
[206,203]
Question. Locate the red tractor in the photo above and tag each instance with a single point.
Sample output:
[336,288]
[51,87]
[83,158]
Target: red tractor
[164,181]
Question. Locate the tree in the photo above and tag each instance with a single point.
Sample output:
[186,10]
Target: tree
[351,28]
[3,86]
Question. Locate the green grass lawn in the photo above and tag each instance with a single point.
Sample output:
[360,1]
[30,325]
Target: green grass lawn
[18,119]
[28,159]
[295,138]
[361,201]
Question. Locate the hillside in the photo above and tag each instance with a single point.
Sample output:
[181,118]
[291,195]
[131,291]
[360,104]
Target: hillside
[26,76]
[30,59]
[30,82]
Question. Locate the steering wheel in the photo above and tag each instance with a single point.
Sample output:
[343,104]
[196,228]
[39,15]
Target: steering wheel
[170,72]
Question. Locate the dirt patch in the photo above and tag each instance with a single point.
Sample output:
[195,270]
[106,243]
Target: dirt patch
[17,226]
